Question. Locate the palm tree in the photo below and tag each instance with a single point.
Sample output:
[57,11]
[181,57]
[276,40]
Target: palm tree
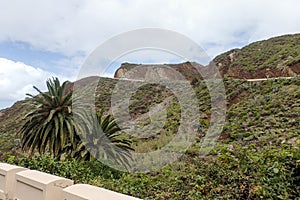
[105,141]
[50,125]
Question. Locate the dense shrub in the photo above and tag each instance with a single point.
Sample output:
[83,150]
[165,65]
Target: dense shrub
[230,172]
[81,172]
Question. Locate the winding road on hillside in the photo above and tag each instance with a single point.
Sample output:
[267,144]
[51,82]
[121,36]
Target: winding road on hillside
[266,79]
[249,80]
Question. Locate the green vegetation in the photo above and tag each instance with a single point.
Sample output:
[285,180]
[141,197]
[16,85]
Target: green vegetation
[275,53]
[237,172]
[257,155]
[109,142]
[50,127]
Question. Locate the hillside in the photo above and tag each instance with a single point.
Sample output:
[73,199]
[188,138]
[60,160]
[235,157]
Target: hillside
[275,57]
[252,107]
[257,155]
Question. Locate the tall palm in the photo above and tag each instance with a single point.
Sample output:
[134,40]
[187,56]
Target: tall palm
[50,125]
[105,141]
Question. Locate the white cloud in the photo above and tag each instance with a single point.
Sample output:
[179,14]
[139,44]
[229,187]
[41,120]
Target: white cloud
[17,79]
[72,26]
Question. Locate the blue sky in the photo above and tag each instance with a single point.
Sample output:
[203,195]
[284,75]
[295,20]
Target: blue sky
[40,39]
[24,52]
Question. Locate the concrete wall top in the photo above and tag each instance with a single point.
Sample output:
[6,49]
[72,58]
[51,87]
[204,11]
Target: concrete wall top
[41,179]
[89,192]
[35,185]
[7,177]
[4,168]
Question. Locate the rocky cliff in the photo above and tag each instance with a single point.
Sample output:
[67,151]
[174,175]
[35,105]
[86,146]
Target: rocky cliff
[275,57]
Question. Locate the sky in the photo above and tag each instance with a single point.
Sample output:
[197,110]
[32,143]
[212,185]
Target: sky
[52,38]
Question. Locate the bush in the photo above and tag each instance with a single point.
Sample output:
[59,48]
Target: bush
[80,172]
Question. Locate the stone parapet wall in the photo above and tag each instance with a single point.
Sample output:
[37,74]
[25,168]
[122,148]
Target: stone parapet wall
[17,183]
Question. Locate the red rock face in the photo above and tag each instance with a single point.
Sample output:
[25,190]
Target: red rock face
[188,71]
[181,71]
[229,69]
[295,68]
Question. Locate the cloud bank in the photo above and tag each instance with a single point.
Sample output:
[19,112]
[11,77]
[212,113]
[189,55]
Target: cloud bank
[81,25]
[17,79]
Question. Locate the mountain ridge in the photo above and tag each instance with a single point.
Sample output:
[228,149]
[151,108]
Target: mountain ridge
[274,57]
